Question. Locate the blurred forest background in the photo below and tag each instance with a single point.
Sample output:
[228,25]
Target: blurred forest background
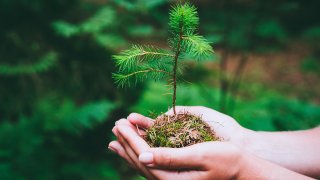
[59,102]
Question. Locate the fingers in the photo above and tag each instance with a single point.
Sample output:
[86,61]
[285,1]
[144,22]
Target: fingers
[125,151]
[140,120]
[162,157]
[134,141]
[116,147]
[149,173]
[174,158]
[152,173]
[126,122]
[133,145]
[134,158]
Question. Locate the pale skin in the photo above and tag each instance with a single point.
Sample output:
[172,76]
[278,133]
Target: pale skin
[243,154]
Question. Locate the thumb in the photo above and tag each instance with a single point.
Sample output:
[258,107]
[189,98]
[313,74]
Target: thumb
[173,158]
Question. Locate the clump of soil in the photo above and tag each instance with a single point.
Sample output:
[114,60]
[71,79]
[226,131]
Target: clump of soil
[179,130]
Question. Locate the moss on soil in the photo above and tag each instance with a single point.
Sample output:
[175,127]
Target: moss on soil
[179,130]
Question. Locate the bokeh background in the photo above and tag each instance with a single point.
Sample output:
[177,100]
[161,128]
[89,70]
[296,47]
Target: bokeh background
[59,102]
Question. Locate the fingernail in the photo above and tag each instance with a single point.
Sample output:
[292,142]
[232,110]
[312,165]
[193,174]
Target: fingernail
[146,158]
[114,131]
[112,149]
[132,116]
[117,122]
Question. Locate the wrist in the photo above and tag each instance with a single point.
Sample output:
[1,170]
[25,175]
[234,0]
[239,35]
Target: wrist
[243,165]
[246,139]
[257,144]
[252,146]
[251,142]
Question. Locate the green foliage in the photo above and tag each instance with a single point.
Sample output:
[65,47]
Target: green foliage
[139,5]
[267,110]
[273,112]
[45,63]
[54,131]
[106,24]
[102,19]
[65,29]
[196,46]
[271,29]
[63,48]
[95,24]
[141,30]
[131,59]
[47,138]
[311,33]
[155,98]
[311,64]
[140,63]
[67,116]
[183,17]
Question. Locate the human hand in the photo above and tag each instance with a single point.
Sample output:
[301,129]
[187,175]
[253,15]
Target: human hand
[193,162]
[209,160]
[224,126]
[297,145]
[122,148]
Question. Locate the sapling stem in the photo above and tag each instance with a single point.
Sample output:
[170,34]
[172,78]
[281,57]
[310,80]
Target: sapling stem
[176,57]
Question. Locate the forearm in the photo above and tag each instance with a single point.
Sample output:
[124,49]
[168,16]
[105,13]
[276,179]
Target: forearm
[256,168]
[296,150]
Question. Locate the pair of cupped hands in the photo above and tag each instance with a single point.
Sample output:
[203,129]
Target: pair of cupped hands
[226,159]
[219,159]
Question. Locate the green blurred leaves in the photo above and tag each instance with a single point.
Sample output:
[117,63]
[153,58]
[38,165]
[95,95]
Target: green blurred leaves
[139,5]
[156,97]
[65,138]
[100,26]
[66,29]
[98,22]
[311,64]
[67,116]
[268,111]
[43,64]
[313,32]
[271,29]
[33,146]
[95,24]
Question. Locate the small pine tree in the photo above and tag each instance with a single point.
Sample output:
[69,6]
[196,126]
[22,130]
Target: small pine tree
[148,62]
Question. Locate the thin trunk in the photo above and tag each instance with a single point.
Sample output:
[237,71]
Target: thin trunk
[176,57]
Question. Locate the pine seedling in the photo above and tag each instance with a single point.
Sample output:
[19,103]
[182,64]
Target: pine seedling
[147,62]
